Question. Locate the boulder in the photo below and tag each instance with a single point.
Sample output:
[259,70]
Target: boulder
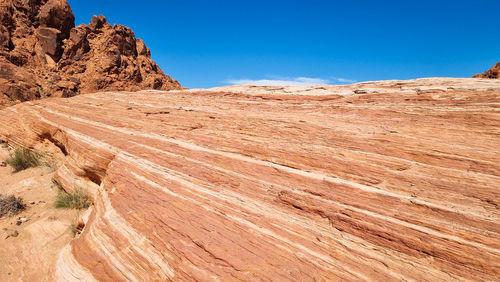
[57,14]
[48,39]
[142,50]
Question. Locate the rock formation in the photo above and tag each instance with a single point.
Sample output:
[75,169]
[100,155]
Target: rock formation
[380,181]
[43,54]
[493,73]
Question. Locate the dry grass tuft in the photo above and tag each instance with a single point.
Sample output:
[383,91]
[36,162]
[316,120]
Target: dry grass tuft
[11,205]
[78,200]
[23,158]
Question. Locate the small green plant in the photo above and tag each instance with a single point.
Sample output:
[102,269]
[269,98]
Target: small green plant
[23,158]
[76,227]
[78,200]
[71,72]
[73,229]
[11,205]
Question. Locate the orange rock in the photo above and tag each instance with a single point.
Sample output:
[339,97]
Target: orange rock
[39,41]
[494,72]
[390,180]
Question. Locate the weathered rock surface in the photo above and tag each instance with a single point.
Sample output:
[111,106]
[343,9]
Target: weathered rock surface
[492,73]
[43,54]
[382,181]
[30,242]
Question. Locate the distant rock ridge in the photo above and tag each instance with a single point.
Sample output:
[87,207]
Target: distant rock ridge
[43,54]
[493,73]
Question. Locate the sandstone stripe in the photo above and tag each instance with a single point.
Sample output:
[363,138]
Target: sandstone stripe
[398,183]
[312,175]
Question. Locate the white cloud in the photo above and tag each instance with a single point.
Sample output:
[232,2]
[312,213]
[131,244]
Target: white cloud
[344,80]
[301,81]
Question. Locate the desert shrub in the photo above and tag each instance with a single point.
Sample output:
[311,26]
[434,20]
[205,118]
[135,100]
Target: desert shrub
[23,158]
[11,205]
[78,200]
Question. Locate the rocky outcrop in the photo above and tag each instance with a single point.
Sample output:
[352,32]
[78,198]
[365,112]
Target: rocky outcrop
[43,54]
[492,73]
[381,181]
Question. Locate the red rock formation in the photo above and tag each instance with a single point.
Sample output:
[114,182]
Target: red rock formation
[43,54]
[395,180]
[493,73]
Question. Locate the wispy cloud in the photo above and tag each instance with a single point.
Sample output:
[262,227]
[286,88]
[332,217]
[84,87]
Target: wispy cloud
[301,81]
[344,80]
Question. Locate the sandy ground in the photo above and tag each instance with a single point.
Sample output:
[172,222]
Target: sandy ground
[32,254]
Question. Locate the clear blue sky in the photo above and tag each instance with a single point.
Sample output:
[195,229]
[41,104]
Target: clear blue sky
[208,43]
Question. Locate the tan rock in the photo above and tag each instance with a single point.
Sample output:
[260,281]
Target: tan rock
[31,250]
[396,182]
[12,234]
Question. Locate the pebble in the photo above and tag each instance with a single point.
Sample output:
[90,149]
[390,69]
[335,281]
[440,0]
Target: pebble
[21,220]
[3,164]
[13,233]
[32,202]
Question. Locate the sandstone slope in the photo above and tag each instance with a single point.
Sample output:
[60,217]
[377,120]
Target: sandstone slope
[380,181]
[29,251]
[493,73]
[43,54]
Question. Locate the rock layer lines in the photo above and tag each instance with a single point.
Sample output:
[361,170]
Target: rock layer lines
[377,181]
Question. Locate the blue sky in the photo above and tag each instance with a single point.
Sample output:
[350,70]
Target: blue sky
[210,43]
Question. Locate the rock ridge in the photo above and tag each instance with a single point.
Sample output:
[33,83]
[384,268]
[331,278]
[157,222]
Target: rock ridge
[493,73]
[43,54]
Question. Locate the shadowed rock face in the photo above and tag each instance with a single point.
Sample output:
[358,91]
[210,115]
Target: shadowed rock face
[382,181]
[493,73]
[43,54]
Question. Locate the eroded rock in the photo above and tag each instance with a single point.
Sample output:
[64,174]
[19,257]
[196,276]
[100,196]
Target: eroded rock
[38,40]
[492,73]
[57,14]
[398,182]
